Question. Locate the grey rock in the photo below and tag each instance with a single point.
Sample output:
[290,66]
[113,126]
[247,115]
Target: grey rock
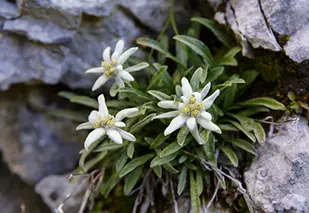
[252,24]
[278,180]
[8,10]
[35,144]
[60,39]
[297,48]
[15,195]
[57,189]
[148,11]
[25,61]
[39,30]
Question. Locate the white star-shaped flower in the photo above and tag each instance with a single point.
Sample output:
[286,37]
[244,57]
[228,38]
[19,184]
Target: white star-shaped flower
[104,123]
[112,66]
[191,111]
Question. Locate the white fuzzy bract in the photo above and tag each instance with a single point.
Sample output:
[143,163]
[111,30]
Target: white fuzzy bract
[104,123]
[112,66]
[190,111]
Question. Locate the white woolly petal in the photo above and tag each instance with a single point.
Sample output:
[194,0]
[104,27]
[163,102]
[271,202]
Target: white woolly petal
[95,70]
[102,105]
[125,113]
[93,116]
[191,123]
[196,135]
[126,55]
[210,100]
[137,67]
[107,54]
[168,105]
[120,124]
[208,125]
[94,136]
[175,124]
[206,115]
[167,115]
[184,99]
[205,90]
[198,97]
[126,76]
[86,125]
[114,135]
[119,82]
[186,88]
[118,49]
[100,82]
[126,135]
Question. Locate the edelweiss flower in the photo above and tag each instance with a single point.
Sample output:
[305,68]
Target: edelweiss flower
[104,123]
[190,111]
[112,66]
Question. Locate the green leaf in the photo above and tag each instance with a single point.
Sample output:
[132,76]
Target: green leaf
[229,95]
[195,199]
[159,140]
[121,162]
[264,101]
[252,110]
[157,78]
[228,127]
[85,153]
[159,95]
[158,161]
[291,96]
[92,162]
[113,90]
[205,134]
[199,182]
[134,94]
[228,59]
[182,179]
[209,147]
[215,73]
[243,144]
[108,186]
[197,46]
[168,167]
[182,135]
[137,67]
[130,150]
[66,94]
[216,29]
[204,74]
[132,179]
[118,104]
[139,125]
[135,163]
[182,159]
[158,171]
[181,53]
[107,146]
[164,45]
[243,129]
[68,114]
[86,101]
[196,79]
[259,133]
[170,149]
[157,46]
[231,155]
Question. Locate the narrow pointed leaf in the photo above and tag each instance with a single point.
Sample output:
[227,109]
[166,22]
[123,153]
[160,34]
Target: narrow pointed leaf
[135,163]
[231,155]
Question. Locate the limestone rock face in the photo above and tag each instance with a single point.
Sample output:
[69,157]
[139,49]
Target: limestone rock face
[263,23]
[54,41]
[34,143]
[278,180]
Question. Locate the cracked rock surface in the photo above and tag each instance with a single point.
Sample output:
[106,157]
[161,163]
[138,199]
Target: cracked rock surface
[268,24]
[278,180]
[54,41]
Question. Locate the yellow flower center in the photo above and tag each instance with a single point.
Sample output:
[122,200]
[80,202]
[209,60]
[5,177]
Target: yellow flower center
[192,109]
[109,67]
[107,121]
